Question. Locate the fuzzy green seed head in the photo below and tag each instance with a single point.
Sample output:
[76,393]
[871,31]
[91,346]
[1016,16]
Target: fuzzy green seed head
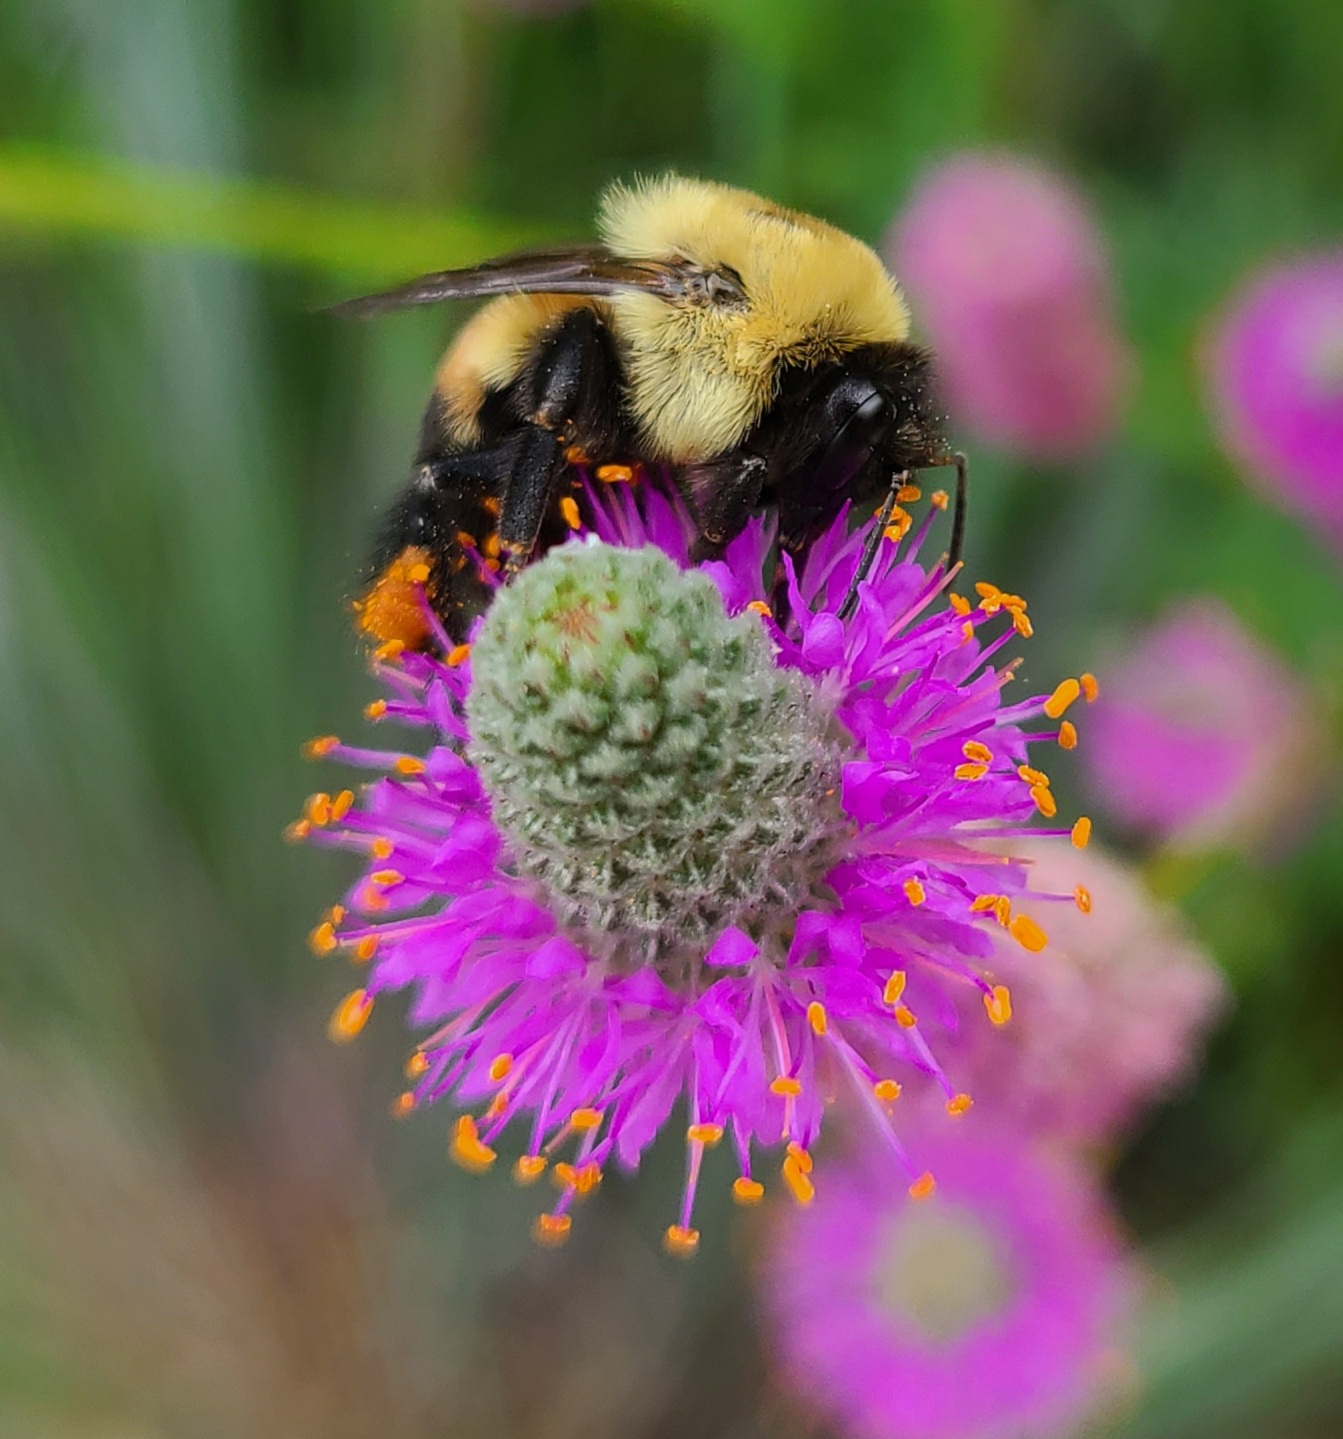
[655,772]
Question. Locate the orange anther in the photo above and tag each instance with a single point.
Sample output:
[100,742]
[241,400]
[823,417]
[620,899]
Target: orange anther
[587,1177]
[491,547]
[707,1134]
[402,1105]
[468,1149]
[389,650]
[981,902]
[564,1176]
[1002,910]
[350,1016]
[1028,934]
[923,1186]
[1033,776]
[747,1191]
[759,607]
[1022,624]
[387,877]
[375,710]
[500,1066]
[529,1168]
[971,771]
[614,474]
[680,1243]
[799,1182]
[786,1086]
[986,591]
[552,1229]
[408,764]
[1090,688]
[887,1090]
[498,1105]
[381,848]
[908,494]
[458,655]
[466,540]
[1067,735]
[958,1104]
[905,1017]
[816,1017]
[1082,898]
[999,1004]
[967,632]
[1044,801]
[322,940]
[895,987]
[585,1118]
[317,808]
[914,891]
[300,829]
[417,1065]
[340,806]
[569,512]
[322,745]
[1081,833]
[800,1157]
[972,749]
[576,455]
[1062,697]
[940,498]
[366,948]
[336,913]
[959,603]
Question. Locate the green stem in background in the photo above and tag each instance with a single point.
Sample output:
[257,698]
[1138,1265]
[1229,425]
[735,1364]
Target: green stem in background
[60,193]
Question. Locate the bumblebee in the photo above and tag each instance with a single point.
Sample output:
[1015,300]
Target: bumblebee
[746,355]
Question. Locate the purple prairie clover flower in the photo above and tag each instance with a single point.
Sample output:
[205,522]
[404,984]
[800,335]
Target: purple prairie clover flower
[1275,381]
[989,1313]
[689,834]
[1108,1020]
[1229,741]
[1009,275]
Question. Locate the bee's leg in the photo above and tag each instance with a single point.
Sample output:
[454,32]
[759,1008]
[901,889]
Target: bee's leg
[722,493]
[958,518]
[569,397]
[872,543]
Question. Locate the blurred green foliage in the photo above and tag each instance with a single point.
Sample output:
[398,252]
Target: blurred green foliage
[190,461]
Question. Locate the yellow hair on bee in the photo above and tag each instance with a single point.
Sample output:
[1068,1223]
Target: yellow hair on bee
[700,376]
[490,352]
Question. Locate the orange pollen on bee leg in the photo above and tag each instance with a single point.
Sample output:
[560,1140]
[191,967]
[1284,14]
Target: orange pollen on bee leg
[529,1168]
[552,1229]
[1090,688]
[958,1104]
[1081,833]
[1062,697]
[468,1149]
[500,1067]
[392,609]
[940,498]
[816,1017]
[680,1242]
[923,1186]
[392,650]
[1082,898]
[914,891]
[1028,934]
[979,753]
[1067,735]
[887,1090]
[895,987]
[706,1134]
[569,512]
[999,1004]
[350,1016]
[747,1191]
[786,1087]
[1044,801]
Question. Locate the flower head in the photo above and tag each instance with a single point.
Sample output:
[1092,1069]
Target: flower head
[1009,276]
[987,1313]
[1107,1020]
[1275,373]
[690,834]
[1228,742]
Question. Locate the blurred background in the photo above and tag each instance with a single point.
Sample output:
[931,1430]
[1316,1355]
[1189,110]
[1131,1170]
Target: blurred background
[209,1224]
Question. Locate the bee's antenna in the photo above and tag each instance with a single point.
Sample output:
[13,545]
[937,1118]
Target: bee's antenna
[873,543]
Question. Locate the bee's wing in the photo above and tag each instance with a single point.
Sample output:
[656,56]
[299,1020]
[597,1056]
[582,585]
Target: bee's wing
[577,270]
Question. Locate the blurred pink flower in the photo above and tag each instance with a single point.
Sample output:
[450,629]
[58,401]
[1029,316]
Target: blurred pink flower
[1009,280]
[1106,1020]
[1204,738]
[1275,373]
[985,1312]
